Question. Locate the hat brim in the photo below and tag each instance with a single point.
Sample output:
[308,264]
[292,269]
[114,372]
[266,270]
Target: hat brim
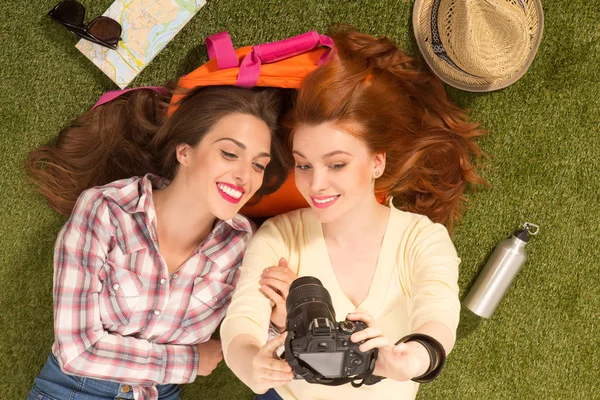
[436,62]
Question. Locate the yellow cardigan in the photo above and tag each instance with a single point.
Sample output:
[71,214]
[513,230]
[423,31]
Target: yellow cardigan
[415,282]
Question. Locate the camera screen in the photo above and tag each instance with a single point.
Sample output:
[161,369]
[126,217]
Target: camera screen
[327,364]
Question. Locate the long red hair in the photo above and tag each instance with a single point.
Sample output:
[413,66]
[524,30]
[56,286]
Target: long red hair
[371,89]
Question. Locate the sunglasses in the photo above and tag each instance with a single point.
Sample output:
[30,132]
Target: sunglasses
[102,30]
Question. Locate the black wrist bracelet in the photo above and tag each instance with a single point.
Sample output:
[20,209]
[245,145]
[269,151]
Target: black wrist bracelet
[437,355]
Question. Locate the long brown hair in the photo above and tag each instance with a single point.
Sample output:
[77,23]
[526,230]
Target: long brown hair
[374,91]
[132,136]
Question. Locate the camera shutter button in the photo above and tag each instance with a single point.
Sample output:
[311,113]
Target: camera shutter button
[347,327]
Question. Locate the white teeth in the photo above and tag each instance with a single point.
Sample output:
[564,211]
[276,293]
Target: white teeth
[324,201]
[236,194]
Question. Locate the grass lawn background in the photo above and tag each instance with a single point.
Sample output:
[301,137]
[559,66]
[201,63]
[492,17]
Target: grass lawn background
[544,340]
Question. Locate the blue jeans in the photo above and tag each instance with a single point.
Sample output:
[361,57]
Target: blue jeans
[271,394]
[53,384]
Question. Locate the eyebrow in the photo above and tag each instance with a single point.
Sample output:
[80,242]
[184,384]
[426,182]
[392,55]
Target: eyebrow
[330,154]
[242,146]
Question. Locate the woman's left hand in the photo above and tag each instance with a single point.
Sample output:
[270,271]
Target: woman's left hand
[398,362]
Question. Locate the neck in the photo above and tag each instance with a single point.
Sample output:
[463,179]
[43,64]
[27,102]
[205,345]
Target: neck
[367,220]
[181,221]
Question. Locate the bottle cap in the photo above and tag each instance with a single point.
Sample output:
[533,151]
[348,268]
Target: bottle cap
[524,233]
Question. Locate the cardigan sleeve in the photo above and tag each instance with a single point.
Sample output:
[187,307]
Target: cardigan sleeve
[432,270]
[250,310]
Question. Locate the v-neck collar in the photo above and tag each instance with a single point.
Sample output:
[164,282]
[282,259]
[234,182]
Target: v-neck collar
[381,278]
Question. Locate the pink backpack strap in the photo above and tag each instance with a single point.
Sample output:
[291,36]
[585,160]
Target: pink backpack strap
[113,94]
[276,51]
[219,46]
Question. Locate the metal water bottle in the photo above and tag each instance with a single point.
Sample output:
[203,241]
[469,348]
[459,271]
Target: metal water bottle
[499,272]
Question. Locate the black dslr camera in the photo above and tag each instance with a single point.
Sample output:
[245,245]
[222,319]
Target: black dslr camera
[318,348]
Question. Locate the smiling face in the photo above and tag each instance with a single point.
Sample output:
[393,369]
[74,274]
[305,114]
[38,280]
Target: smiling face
[226,168]
[334,170]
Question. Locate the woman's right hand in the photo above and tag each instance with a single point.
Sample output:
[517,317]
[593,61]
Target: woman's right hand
[268,370]
[275,283]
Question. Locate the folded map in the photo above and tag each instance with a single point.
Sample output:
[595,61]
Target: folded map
[148,25]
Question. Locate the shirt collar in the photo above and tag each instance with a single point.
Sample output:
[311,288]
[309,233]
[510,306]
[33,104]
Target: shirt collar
[223,228]
[141,190]
[146,185]
[221,247]
[134,195]
[241,223]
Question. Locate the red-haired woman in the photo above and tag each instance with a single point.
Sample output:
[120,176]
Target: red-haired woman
[145,266]
[369,121]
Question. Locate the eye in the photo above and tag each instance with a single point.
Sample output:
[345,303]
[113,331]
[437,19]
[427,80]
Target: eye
[303,167]
[337,167]
[228,156]
[259,167]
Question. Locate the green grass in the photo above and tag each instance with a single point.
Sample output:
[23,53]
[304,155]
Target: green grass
[542,343]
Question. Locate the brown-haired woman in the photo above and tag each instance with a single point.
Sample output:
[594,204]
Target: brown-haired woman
[146,264]
[369,121]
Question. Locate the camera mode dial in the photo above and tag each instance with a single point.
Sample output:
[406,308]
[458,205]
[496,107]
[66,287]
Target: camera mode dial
[348,327]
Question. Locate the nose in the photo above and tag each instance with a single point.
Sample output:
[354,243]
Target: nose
[242,174]
[319,180]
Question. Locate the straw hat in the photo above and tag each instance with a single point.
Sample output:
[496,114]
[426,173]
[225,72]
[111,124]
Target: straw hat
[478,45]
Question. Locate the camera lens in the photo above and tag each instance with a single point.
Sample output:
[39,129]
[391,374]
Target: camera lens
[305,280]
[306,289]
[307,300]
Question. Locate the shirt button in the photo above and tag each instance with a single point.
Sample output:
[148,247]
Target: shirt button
[214,299]
[163,281]
[125,389]
[156,312]
[116,286]
[174,276]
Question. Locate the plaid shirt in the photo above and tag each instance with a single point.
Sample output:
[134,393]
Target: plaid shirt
[118,315]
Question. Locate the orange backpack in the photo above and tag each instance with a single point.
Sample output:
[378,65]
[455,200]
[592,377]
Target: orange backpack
[282,64]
